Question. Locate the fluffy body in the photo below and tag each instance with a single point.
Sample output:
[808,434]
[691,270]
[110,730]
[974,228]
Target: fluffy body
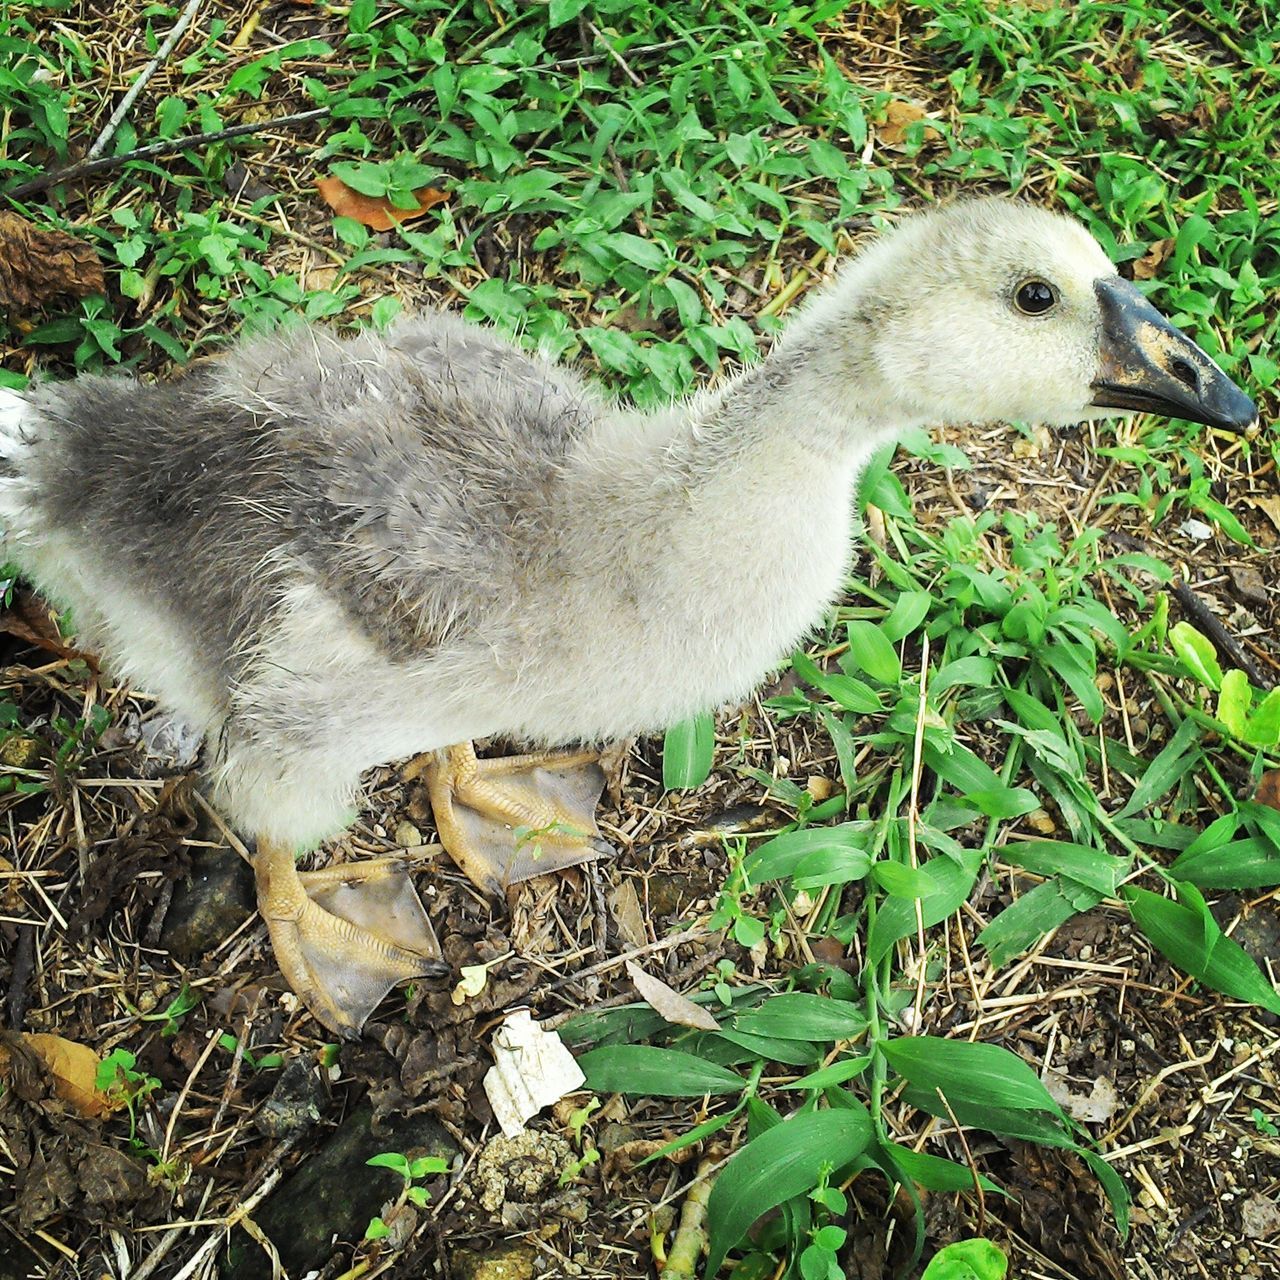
[332,553]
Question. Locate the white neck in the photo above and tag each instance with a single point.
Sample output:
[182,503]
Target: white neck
[711,536]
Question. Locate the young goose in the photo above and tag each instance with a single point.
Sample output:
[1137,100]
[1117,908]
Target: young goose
[331,553]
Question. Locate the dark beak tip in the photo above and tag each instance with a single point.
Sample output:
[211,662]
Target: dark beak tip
[1141,355]
[1240,414]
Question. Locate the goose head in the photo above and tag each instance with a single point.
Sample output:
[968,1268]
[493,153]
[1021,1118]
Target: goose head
[992,310]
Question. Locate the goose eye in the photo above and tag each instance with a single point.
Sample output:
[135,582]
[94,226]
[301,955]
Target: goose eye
[1035,297]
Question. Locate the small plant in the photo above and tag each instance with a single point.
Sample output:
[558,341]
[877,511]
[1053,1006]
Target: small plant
[1263,1125]
[171,1016]
[124,1085]
[412,1172]
[267,1062]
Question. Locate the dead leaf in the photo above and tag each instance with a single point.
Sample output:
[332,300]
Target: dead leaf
[1095,1107]
[1270,507]
[1147,266]
[624,903]
[669,1003]
[1259,1217]
[376,212]
[473,979]
[109,1179]
[29,619]
[38,265]
[44,1186]
[1248,583]
[897,117]
[1268,792]
[73,1068]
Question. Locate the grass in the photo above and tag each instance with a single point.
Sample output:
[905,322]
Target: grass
[646,188]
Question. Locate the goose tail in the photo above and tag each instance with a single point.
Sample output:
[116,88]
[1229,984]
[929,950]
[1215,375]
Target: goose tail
[15,452]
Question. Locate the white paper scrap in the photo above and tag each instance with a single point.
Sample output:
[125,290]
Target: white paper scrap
[531,1070]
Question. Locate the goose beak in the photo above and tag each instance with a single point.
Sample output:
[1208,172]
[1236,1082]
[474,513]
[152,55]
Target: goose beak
[1150,366]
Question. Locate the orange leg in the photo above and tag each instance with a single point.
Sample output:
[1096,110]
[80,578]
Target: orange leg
[344,936]
[511,818]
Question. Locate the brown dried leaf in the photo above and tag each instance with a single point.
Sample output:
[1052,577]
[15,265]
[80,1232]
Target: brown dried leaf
[897,117]
[29,619]
[109,1179]
[38,265]
[1260,1217]
[1268,792]
[670,1003]
[376,212]
[73,1068]
[1270,507]
[1147,266]
[44,1187]
[624,903]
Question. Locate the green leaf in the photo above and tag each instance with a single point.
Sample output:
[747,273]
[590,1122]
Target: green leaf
[871,651]
[961,768]
[1078,678]
[784,855]
[1100,871]
[1240,864]
[968,1260]
[1003,802]
[644,253]
[1263,728]
[785,1161]
[933,1172]
[794,1052]
[1112,1184]
[665,1073]
[696,1134]
[1197,654]
[1029,918]
[563,11]
[909,610]
[836,1073]
[974,671]
[1179,931]
[952,882]
[900,881]
[390,1160]
[826,867]
[1234,700]
[800,1015]
[688,750]
[853,695]
[984,1074]
[1177,758]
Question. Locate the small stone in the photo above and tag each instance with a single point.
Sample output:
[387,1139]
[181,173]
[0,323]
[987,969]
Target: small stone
[505,1262]
[333,1194]
[1249,584]
[210,904]
[21,752]
[820,788]
[1042,821]
[407,835]
[1260,1217]
[294,1104]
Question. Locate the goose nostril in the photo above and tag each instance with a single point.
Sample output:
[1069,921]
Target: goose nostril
[1185,374]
